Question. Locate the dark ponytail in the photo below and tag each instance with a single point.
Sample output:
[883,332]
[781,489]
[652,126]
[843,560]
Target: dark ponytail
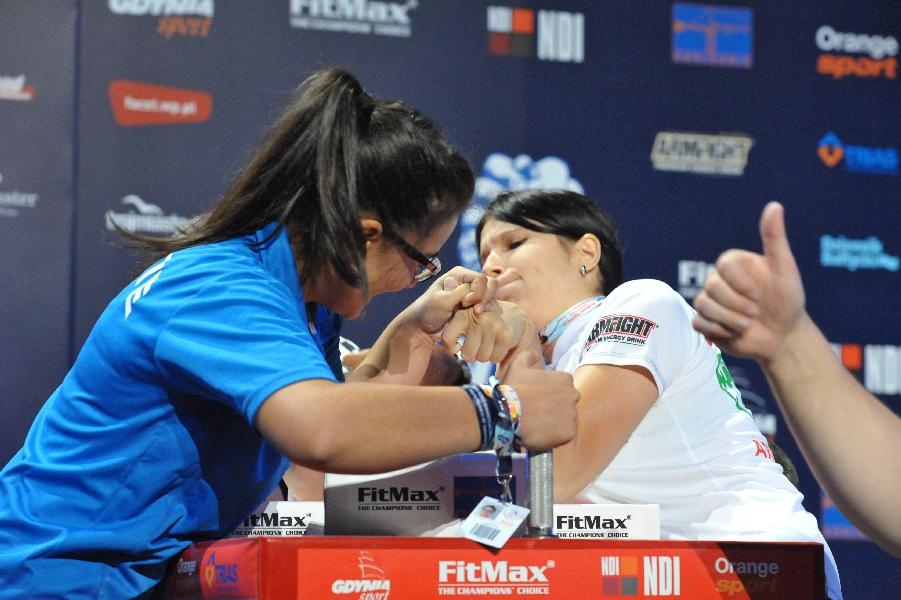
[333,156]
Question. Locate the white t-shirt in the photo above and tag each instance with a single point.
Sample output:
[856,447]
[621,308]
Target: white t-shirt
[697,453]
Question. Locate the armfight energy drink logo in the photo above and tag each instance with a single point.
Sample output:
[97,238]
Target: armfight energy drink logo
[713,36]
[560,35]
[707,154]
[625,329]
[856,54]
[15,88]
[135,103]
[184,18]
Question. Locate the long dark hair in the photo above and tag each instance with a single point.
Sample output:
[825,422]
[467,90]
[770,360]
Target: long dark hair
[564,213]
[333,156]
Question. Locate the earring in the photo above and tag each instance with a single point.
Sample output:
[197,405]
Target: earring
[583,271]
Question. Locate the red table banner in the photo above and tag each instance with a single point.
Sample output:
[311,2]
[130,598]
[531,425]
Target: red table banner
[376,568]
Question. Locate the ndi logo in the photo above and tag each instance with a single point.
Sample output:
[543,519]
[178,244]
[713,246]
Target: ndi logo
[857,159]
[502,173]
[561,35]
[659,576]
[877,367]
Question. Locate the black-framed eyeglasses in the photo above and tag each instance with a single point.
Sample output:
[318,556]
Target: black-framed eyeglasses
[430,266]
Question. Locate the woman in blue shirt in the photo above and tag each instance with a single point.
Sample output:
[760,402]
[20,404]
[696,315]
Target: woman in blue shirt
[210,372]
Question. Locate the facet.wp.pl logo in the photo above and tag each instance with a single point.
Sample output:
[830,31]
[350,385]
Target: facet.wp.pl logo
[501,173]
[857,159]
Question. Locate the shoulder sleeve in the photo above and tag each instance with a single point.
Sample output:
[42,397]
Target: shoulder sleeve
[642,323]
[238,340]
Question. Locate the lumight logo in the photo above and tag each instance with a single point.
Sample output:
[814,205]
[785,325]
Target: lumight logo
[135,103]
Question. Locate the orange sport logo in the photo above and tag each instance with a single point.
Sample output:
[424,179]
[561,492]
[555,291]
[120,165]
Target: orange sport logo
[856,54]
[135,103]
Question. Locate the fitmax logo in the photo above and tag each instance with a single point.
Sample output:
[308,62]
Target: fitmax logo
[458,571]
[274,520]
[396,494]
[590,522]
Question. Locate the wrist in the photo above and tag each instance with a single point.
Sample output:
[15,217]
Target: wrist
[498,410]
[791,355]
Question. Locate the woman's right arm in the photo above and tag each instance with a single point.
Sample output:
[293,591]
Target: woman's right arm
[753,305]
[363,427]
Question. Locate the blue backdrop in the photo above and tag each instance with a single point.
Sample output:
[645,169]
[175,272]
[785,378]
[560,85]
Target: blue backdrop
[681,119]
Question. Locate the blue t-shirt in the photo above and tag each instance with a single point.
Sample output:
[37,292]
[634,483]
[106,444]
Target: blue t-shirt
[148,443]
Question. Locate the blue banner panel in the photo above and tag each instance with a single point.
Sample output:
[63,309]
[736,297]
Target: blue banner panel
[37,61]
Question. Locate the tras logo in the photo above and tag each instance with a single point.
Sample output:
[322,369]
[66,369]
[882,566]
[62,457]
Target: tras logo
[651,576]
[713,36]
[841,54]
[184,18]
[15,88]
[512,31]
[221,574]
[502,173]
[857,159]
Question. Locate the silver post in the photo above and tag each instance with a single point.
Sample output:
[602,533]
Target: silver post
[540,476]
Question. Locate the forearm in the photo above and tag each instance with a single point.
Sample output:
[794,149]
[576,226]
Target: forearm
[364,428]
[845,433]
[400,355]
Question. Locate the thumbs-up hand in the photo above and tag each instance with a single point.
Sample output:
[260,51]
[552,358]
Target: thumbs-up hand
[751,302]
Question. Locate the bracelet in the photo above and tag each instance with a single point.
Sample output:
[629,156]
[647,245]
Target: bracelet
[486,412]
[509,410]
